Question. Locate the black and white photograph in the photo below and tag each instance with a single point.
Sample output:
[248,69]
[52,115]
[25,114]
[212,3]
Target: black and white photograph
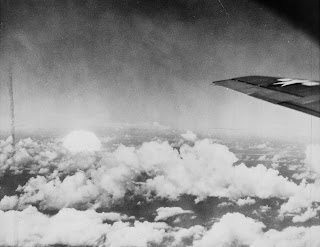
[159,123]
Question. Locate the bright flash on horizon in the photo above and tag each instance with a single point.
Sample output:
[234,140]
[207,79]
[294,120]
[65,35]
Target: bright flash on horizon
[81,141]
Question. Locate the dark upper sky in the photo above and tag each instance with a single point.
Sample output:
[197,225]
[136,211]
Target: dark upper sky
[88,63]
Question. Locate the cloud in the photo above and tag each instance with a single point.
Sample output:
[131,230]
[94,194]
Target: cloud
[74,191]
[203,170]
[72,227]
[88,228]
[265,208]
[113,182]
[22,157]
[308,214]
[260,182]
[25,155]
[207,169]
[195,170]
[184,234]
[303,198]
[6,152]
[291,236]
[276,158]
[225,204]
[245,201]
[140,234]
[233,228]
[41,157]
[189,136]
[8,202]
[164,213]
[69,227]
[262,158]
[305,175]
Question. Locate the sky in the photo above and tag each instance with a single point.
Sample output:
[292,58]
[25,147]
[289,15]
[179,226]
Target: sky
[89,64]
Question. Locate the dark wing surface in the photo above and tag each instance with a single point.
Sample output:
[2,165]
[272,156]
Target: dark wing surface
[298,94]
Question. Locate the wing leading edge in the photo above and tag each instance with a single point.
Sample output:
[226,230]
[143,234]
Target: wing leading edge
[298,94]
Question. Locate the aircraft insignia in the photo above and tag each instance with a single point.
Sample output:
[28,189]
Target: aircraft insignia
[287,81]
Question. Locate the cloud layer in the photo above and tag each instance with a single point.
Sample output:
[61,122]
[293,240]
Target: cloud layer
[77,185]
[74,228]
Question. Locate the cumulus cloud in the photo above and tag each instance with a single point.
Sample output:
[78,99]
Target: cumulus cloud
[76,228]
[204,169]
[245,201]
[260,182]
[291,236]
[305,175]
[113,181]
[31,228]
[88,228]
[232,229]
[22,157]
[225,204]
[307,215]
[41,157]
[195,170]
[235,229]
[262,158]
[264,208]
[303,198]
[71,182]
[6,153]
[181,235]
[74,191]
[8,202]
[277,157]
[140,234]
[164,213]
[207,169]
[189,136]
[27,154]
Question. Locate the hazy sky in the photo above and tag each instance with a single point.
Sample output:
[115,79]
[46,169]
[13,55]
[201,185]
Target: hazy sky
[82,64]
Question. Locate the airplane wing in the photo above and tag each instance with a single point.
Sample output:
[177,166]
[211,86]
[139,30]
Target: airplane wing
[298,94]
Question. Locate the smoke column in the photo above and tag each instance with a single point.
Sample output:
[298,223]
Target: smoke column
[11,104]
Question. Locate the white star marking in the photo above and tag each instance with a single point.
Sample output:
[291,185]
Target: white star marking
[287,81]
